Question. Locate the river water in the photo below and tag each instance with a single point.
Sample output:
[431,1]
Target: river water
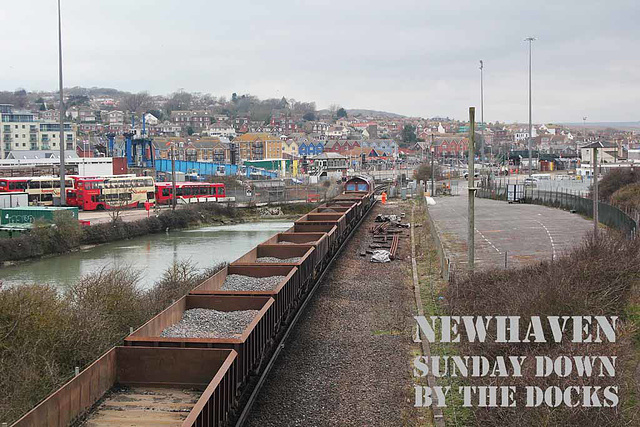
[151,255]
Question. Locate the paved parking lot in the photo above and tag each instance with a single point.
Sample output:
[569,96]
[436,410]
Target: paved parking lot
[524,233]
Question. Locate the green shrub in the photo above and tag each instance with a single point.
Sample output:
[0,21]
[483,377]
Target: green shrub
[628,197]
[45,334]
[615,180]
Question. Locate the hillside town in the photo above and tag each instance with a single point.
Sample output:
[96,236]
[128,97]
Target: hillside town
[203,128]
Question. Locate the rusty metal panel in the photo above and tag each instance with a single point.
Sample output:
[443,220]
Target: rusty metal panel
[67,404]
[340,224]
[306,264]
[284,294]
[249,351]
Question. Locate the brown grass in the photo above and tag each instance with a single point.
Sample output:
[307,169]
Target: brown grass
[598,278]
[45,334]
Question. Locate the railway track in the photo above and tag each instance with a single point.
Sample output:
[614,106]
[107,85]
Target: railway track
[227,368]
[247,409]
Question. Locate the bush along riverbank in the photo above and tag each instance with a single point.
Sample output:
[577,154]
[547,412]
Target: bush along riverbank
[45,334]
[67,235]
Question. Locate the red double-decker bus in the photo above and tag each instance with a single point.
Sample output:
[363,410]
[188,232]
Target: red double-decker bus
[72,193]
[191,192]
[10,185]
[122,191]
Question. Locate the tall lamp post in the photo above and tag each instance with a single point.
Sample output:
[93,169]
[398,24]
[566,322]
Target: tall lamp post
[84,158]
[481,111]
[584,138]
[530,39]
[62,142]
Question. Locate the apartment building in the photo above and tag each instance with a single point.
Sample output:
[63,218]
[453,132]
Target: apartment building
[19,130]
[258,146]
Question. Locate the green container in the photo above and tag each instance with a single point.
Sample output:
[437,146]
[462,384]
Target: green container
[31,214]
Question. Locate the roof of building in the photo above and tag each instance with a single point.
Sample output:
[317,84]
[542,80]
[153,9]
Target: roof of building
[328,155]
[252,136]
[40,154]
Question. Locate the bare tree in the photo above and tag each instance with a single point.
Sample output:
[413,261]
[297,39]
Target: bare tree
[118,202]
[180,100]
[137,102]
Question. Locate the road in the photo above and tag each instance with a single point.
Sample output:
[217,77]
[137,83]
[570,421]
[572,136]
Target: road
[97,217]
[523,233]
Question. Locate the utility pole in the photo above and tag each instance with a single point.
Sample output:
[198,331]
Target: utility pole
[595,189]
[481,111]
[472,190]
[433,182]
[63,192]
[584,137]
[530,39]
[173,177]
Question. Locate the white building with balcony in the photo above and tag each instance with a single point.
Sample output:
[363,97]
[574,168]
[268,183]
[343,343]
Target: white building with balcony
[19,130]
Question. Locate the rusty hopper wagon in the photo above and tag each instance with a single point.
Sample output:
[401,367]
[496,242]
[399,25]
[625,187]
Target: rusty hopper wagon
[337,220]
[145,386]
[285,293]
[250,345]
[329,229]
[304,253]
[219,370]
[320,242]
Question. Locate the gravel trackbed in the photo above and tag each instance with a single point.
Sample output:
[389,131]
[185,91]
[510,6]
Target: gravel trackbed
[347,363]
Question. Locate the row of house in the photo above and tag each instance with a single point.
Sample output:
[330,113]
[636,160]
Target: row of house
[261,146]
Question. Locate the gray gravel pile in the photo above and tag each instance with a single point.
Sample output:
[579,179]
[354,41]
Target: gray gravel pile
[238,282]
[272,259]
[208,323]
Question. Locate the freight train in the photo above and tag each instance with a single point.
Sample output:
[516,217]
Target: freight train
[157,378]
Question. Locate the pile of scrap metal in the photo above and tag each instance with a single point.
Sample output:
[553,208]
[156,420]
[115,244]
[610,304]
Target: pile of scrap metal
[386,238]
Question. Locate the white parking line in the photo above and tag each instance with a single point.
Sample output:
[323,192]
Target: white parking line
[553,245]
[487,240]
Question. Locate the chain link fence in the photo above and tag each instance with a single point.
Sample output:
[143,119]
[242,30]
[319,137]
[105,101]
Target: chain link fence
[567,200]
[283,193]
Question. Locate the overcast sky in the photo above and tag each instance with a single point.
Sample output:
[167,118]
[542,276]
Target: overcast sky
[411,57]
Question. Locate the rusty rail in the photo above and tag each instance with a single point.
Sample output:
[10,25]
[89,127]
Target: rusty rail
[394,246]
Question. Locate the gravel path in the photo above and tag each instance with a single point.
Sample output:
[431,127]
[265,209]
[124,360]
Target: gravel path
[207,323]
[347,363]
[272,259]
[238,282]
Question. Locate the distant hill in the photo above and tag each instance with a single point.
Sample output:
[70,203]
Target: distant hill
[603,125]
[374,113]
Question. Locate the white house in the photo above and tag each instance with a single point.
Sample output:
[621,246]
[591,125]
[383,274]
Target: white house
[523,134]
[168,128]
[337,132]
[151,120]
[607,153]
[222,130]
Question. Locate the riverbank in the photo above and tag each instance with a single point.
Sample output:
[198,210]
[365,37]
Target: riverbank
[67,236]
[46,334]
